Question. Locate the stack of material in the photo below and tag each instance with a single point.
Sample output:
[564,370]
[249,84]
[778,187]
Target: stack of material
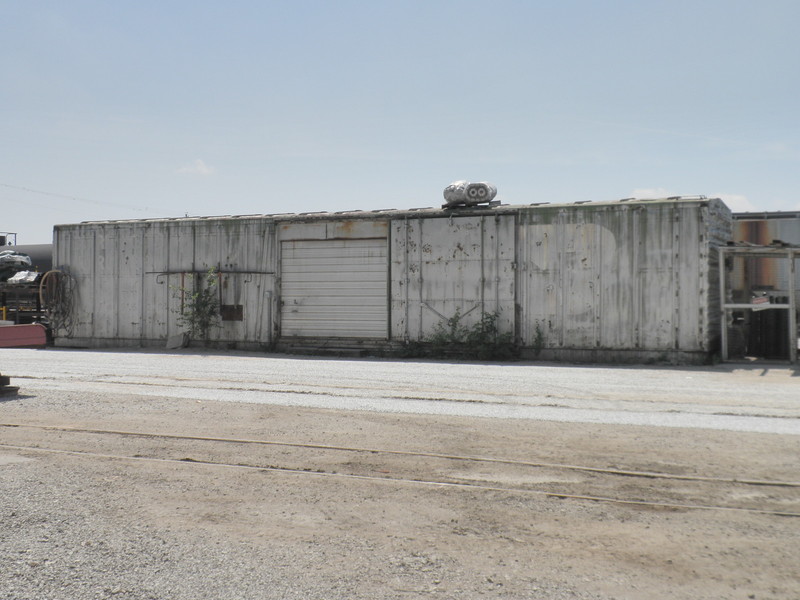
[12,262]
[5,388]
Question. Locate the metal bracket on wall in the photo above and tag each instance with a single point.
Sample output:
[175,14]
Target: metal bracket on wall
[159,274]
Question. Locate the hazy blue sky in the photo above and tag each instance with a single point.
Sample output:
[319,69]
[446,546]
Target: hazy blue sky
[120,109]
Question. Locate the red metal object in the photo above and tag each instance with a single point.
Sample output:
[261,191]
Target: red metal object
[23,336]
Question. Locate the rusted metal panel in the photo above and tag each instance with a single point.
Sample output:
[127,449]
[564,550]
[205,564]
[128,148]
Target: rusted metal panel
[761,273]
[447,266]
[334,229]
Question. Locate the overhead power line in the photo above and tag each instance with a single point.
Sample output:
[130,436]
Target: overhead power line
[75,198]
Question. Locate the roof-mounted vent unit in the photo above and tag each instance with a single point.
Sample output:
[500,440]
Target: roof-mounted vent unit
[464,193]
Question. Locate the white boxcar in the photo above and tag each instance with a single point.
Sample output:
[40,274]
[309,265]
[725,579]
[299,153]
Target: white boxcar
[617,281]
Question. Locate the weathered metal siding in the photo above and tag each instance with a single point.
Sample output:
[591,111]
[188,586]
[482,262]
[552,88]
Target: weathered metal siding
[444,266]
[717,231]
[558,278]
[334,279]
[73,252]
[613,281]
[615,277]
[128,278]
[245,254]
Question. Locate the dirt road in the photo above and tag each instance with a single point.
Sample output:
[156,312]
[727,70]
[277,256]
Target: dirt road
[114,494]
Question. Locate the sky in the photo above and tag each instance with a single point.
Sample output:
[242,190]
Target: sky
[138,109]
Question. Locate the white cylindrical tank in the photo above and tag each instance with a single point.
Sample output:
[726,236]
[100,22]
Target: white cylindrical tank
[465,193]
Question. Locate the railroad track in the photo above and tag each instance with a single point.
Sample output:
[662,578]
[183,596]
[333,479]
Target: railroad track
[644,489]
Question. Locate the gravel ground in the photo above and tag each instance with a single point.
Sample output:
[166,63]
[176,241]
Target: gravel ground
[759,398]
[78,527]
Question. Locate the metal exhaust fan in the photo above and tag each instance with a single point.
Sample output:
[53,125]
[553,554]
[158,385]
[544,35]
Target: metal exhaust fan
[464,193]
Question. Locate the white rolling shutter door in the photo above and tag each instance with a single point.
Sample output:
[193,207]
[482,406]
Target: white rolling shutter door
[334,288]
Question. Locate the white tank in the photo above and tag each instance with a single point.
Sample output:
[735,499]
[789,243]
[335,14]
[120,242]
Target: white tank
[464,193]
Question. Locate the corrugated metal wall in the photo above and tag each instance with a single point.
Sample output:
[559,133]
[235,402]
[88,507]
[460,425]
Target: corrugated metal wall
[128,278]
[617,277]
[442,266]
[614,281]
